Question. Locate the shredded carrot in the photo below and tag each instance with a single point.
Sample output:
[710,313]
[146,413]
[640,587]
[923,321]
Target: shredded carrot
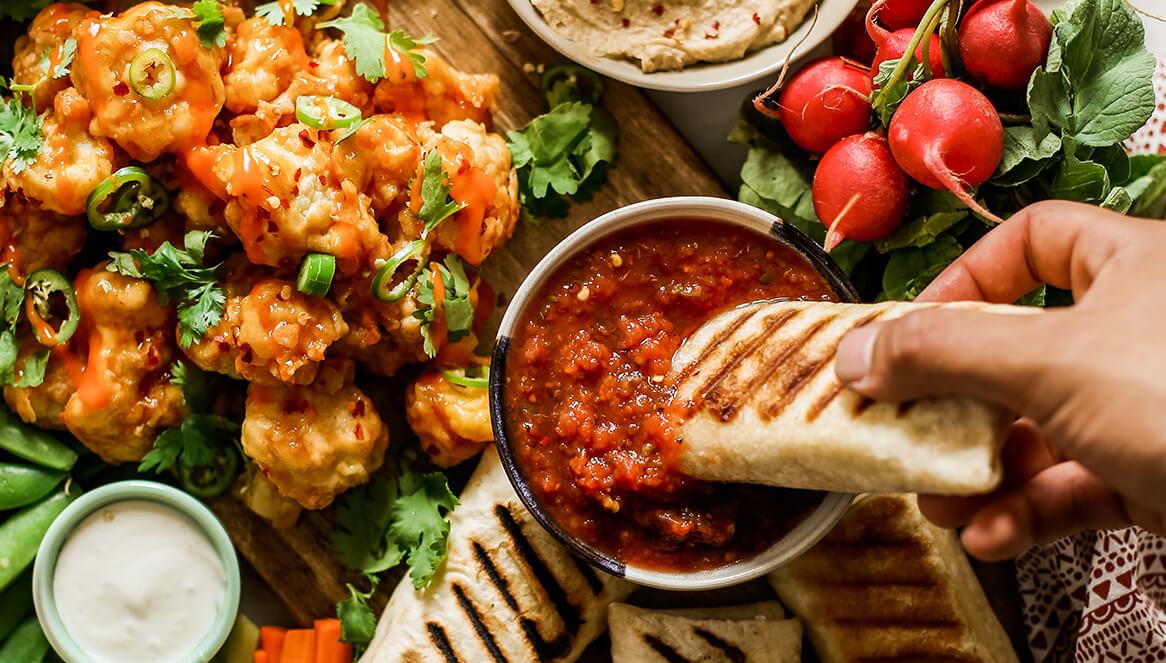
[299,646]
[271,640]
[329,649]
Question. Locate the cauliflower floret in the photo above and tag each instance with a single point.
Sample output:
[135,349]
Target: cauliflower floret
[123,397]
[33,237]
[272,334]
[264,60]
[146,128]
[317,441]
[335,74]
[444,95]
[283,201]
[41,49]
[453,422]
[42,405]
[482,181]
[380,158]
[382,336]
[70,163]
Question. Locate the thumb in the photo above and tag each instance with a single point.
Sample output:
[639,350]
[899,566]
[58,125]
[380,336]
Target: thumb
[994,357]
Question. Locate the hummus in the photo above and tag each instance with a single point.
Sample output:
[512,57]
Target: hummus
[672,34]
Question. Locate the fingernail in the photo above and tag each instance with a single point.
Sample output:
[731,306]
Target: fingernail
[855,353]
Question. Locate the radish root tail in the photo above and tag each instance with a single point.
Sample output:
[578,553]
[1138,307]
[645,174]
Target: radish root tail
[935,164]
[759,100]
[833,237]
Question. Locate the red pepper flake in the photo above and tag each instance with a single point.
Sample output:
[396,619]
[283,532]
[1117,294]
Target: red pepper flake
[307,139]
[312,64]
[272,228]
[756,18]
[121,89]
[626,22]
[658,10]
[669,33]
[296,176]
[359,432]
[356,408]
[714,31]
[323,181]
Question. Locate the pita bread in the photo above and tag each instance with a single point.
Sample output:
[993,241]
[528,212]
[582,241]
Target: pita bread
[755,632]
[767,408]
[887,584]
[507,591]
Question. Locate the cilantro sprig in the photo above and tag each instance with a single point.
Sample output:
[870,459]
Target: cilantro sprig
[21,134]
[436,203]
[195,443]
[273,12]
[52,71]
[179,275]
[366,43]
[209,23]
[32,371]
[456,310]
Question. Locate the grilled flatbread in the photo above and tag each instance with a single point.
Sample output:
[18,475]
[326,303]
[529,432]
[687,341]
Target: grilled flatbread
[767,408]
[507,590]
[754,632]
[887,584]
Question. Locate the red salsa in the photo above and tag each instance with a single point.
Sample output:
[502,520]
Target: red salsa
[589,397]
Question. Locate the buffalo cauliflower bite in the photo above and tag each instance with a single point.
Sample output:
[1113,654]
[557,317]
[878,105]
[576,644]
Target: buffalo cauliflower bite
[380,158]
[443,95]
[453,422]
[42,405]
[32,237]
[143,127]
[124,397]
[263,60]
[482,182]
[270,334]
[382,336]
[70,163]
[314,442]
[284,202]
[43,47]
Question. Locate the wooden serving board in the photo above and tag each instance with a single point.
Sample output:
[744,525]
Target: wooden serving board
[654,161]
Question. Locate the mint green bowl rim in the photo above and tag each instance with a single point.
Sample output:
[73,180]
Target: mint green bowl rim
[50,548]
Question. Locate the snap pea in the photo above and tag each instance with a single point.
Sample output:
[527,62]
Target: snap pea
[27,644]
[20,535]
[21,485]
[33,445]
[15,603]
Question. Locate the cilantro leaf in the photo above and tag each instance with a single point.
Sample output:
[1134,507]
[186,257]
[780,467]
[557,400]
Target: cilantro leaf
[420,524]
[436,203]
[196,442]
[179,275]
[457,312]
[366,43]
[362,518]
[209,23]
[193,383]
[358,623]
[273,13]
[20,133]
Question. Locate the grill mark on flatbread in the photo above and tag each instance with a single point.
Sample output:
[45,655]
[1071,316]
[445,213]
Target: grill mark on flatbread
[836,387]
[710,389]
[480,627]
[742,317]
[441,641]
[799,376]
[730,650]
[589,575]
[665,650]
[500,583]
[551,587]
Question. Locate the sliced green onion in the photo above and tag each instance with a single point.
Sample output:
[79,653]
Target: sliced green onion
[129,198]
[383,286]
[462,377]
[570,82]
[315,275]
[39,290]
[326,112]
[152,74]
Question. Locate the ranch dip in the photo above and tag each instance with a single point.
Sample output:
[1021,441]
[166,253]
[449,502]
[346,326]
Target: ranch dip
[138,581]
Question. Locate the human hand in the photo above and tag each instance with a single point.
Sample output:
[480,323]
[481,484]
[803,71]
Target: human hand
[1089,380]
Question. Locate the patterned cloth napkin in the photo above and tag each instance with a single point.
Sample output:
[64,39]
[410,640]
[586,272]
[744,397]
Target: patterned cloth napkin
[1101,596]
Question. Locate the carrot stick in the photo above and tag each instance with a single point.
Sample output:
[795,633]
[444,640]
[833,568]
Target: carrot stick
[329,649]
[261,657]
[299,646]
[271,640]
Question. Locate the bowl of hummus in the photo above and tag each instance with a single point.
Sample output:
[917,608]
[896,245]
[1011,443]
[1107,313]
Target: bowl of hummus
[683,45]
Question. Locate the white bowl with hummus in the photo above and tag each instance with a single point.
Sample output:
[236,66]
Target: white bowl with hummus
[682,45]
[136,571]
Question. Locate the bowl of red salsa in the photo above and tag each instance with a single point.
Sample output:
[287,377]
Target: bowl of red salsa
[581,391]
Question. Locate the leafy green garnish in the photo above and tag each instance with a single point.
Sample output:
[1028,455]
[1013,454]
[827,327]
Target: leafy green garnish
[20,132]
[195,443]
[436,203]
[32,371]
[52,72]
[366,43]
[273,13]
[909,271]
[456,310]
[385,522]
[179,275]
[209,23]
[358,623]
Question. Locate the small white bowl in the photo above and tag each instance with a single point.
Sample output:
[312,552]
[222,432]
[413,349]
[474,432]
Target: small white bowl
[700,77]
[800,538]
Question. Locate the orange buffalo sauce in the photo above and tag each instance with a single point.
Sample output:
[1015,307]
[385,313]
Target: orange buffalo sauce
[45,334]
[473,190]
[437,328]
[10,252]
[88,376]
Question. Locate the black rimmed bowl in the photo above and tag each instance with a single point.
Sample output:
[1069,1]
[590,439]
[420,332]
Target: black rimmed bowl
[796,541]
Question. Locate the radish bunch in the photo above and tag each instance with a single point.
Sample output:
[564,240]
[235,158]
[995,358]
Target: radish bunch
[944,134]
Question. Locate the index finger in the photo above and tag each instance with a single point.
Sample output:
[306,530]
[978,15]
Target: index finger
[1059,243]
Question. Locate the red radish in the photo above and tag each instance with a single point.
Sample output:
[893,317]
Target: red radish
[826,101]
[860,193]
[947,135]
[850,39]
[1003,41]
[893,45]
[899,14]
